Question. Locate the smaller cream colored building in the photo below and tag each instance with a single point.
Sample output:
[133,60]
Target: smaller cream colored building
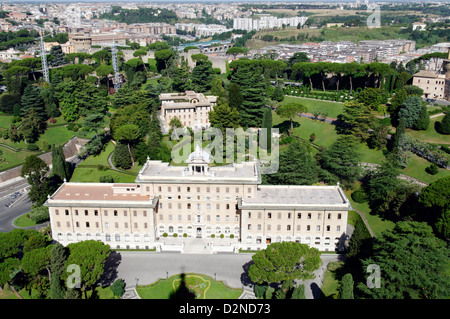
[190,107]
[432,84]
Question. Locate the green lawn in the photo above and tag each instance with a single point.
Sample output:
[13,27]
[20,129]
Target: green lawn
[430,135]
[331,284]
[11,159]
[416,169]
[205,288]
[91,174]
[5,121]
[332,108]
[303,127]
[24,221]
[100,159]
[377,224]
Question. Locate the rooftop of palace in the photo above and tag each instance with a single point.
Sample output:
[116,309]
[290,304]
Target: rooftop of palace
[91,194]
[293,196]
[199,172]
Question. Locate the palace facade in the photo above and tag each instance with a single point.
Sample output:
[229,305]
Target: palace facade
[199,201]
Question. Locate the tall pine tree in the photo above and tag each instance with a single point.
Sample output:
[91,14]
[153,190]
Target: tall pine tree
[297,167]
[252,86]
[31,99]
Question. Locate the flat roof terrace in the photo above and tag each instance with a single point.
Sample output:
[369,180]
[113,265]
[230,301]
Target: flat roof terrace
[158,171]
[100,194]
[297,197]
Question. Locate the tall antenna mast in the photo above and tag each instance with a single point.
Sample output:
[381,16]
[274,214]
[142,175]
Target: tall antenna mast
[115,62]
[43,58]
[115,66]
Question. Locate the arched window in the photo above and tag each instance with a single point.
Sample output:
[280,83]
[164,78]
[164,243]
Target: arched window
[170,229]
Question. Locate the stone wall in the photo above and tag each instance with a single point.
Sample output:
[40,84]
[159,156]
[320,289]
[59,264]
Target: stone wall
[71,148]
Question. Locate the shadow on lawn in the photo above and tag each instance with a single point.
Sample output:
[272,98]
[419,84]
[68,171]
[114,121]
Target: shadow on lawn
[183,292]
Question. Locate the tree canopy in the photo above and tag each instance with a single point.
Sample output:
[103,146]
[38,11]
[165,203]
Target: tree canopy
[284,261]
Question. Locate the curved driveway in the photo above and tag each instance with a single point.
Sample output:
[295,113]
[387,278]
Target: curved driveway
[145,268]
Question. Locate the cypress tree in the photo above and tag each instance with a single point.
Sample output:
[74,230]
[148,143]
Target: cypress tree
[423,121]
[401,129]
[121,157]
[346,289]
[58,259]
[59,165]
[267,124]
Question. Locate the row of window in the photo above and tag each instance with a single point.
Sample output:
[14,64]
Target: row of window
[279,239]
[117,237]
[209,229]
[198,218]
[97,224]
[289,227]
[95,212]
[289,215]
[188,189]
[189,206]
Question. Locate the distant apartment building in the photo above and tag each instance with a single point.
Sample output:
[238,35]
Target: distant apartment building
[267,22]
[82,42]
[202,29]
[190,107]
[151,28]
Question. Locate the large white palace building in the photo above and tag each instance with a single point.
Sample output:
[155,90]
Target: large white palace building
[179,203]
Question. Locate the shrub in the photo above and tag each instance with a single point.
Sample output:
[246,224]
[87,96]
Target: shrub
[359,196]
[73,127]
[165,235]
[184,235]
[52,120]
[39,214]
[443,127]
[102,167]
[32,147]
[175,235]
[118,288]
[312,137]
[222,235]
[231,236]
[106,179]
[213,236]
[260,290]
[432,169]
[286,140]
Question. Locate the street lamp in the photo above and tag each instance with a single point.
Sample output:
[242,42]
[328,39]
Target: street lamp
[137,280]
[167,274]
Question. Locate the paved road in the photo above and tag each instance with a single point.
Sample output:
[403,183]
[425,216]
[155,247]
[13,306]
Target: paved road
[148,267]
[22,206]
[9,214]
